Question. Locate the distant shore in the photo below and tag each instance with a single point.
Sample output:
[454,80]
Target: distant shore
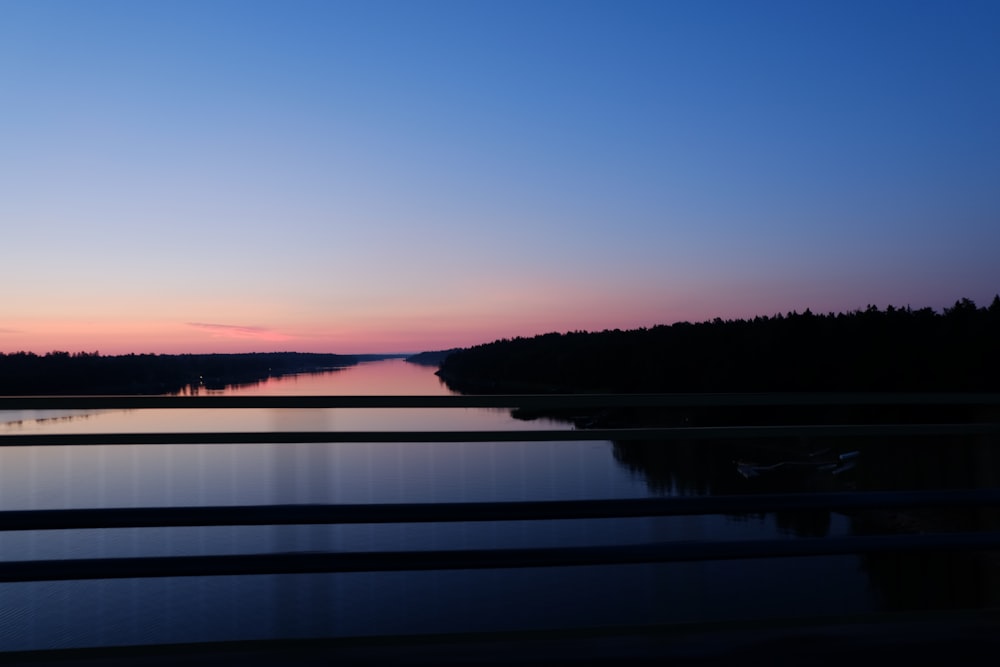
[27,374]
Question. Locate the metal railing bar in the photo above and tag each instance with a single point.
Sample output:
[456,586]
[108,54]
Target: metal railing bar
[467,559]
[537,401]
[662,433]
[259,515]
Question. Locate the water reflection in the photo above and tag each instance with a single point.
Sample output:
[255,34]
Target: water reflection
[913,581]
[12,421]
[195,609]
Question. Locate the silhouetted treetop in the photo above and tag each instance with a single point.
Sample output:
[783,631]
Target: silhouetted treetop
[896,349]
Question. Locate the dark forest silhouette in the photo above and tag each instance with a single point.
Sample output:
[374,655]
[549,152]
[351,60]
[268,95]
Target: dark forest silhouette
[433,358]
[896,349]
[25,373]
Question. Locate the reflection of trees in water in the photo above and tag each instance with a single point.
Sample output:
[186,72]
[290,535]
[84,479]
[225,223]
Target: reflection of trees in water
[217,386]
[932,580]
[708,467]
[915,581]
[45,418]
[699,467]
[940,462]
[902,581]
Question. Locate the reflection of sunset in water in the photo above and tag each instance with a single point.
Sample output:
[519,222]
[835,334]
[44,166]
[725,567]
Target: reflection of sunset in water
[226,474]
[374,378]
[196,608]
[389,377]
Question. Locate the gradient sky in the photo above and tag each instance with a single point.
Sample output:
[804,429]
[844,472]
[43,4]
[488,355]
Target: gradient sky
[372,176]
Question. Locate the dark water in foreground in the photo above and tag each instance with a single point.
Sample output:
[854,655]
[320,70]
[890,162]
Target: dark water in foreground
[125,612]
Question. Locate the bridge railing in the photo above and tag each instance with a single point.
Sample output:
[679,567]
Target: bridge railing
[373,561]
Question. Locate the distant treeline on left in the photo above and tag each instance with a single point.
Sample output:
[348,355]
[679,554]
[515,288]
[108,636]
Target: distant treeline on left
[27,374]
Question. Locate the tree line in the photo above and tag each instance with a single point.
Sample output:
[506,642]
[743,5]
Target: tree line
[895,349]
[59,372]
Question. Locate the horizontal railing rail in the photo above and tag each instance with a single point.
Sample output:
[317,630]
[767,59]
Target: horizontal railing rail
[381,513]
[473,559]
[534,401]
[618,434]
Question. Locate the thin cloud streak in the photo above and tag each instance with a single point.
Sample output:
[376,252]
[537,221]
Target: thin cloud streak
[239,331]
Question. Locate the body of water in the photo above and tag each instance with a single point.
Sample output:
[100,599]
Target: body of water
[39,615]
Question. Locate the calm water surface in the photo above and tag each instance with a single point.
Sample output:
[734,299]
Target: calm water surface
[65,614]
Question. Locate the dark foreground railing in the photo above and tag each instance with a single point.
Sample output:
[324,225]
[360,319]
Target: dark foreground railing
[281,563]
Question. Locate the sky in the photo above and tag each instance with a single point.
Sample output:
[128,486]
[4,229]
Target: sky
[397,176]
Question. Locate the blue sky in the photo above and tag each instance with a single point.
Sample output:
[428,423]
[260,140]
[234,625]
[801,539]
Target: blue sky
[397,176]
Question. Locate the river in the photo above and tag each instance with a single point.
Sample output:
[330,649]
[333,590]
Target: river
[40,615]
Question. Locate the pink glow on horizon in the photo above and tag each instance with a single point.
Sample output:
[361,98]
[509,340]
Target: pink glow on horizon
[427,326]
[388,335]
[228,331]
